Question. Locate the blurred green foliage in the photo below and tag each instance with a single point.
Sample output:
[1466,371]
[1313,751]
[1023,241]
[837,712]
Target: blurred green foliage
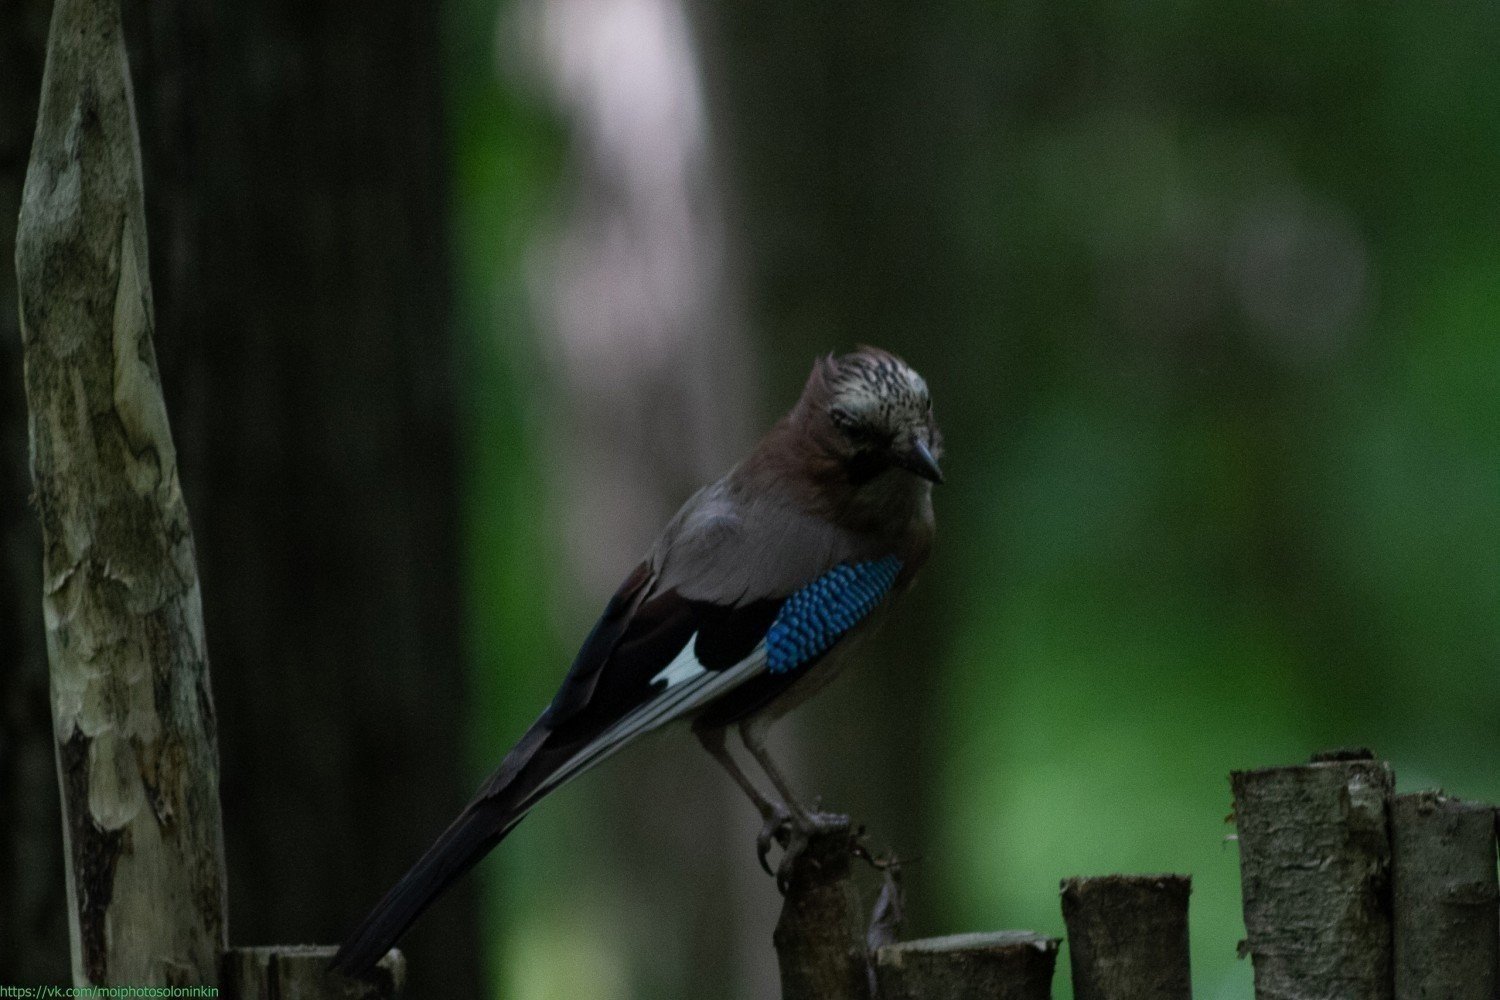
[1221,400]
[505,161]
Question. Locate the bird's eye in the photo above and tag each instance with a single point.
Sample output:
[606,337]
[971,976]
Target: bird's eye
[843,419]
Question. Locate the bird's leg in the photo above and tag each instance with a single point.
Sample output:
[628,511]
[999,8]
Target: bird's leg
[712,738]
[800,823]
[753,733]
[774,814]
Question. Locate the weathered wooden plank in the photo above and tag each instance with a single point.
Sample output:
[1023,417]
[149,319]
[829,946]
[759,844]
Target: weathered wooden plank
[132,714]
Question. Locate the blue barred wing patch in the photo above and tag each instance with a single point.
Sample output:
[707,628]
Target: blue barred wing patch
[814,618]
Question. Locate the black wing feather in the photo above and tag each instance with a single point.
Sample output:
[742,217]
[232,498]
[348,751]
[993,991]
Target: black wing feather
[638,634]
[620,615]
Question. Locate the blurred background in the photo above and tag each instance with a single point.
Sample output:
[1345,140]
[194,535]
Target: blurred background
[457,303]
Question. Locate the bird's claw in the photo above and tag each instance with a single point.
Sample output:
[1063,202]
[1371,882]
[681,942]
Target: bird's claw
[793,831]
[774,829]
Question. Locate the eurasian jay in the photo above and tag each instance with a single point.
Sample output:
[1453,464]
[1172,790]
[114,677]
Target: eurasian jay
[734,616]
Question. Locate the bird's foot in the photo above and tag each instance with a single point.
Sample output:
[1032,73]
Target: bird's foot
[778,820]
[794,830]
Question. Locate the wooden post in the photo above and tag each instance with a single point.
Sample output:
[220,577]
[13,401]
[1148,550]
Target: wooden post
[1445,894]
[1128,937]
[1315,859]
[1009,965]
[300,972]
[820,935]
[132,714]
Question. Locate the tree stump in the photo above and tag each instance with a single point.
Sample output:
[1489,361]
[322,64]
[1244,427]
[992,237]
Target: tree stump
[1447,924]
[1315,861]
[1128,937]
[820,935]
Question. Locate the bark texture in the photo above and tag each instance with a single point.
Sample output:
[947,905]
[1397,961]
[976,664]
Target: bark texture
[301,973]
[1315,863]
[33,908]
[1446,917]
[295,187]
[1008,965]
[1128,937]
[132,713]
[820,936]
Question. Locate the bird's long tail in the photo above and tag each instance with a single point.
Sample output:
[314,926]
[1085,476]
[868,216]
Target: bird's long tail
[481,826]
[501,804]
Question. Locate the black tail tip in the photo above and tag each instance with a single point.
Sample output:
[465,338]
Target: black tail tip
[365,963]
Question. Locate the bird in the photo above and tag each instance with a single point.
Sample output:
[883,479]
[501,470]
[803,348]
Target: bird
[740,610]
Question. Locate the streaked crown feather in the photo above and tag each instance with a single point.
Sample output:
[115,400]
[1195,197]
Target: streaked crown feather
[876,389]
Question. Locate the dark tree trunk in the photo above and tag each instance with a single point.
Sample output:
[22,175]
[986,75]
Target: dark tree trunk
[294,187]
[33,914]
[296,198]
[654,396]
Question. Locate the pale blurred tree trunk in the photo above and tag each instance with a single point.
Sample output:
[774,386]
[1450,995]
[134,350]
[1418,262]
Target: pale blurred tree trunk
[658,396]
[33,909]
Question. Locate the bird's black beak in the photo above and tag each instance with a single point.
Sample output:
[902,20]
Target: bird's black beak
[921,462]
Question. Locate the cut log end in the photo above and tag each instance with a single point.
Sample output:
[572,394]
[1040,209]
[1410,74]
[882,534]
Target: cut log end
[300,972]
[1007,965]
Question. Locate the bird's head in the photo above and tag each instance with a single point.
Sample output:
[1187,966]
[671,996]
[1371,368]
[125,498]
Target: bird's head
[873,412]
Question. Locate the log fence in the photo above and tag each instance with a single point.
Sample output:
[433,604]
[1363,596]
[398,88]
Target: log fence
[1350,892]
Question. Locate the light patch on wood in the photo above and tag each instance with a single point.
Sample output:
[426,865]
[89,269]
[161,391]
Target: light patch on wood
[137,396]
[115,796]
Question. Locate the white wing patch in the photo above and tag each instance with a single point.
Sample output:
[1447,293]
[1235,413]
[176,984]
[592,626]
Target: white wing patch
[684,668]
[689,687]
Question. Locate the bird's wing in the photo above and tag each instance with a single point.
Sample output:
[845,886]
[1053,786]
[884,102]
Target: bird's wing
[734,602]
[734,597]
